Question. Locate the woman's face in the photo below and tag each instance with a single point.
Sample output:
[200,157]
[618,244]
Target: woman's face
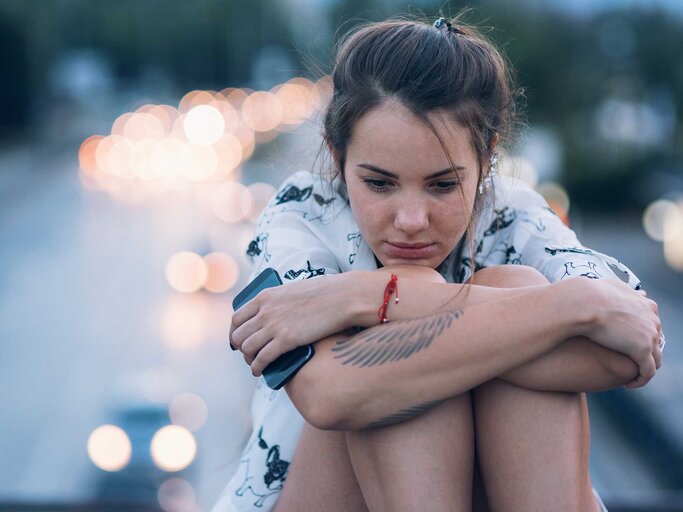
[404,196]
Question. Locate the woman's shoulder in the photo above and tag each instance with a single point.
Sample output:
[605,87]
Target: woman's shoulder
[307,216]
[510,205]
[514,192]
[311,197]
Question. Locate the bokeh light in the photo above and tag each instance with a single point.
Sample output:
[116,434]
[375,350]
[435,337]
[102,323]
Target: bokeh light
[204,125]
[109,448]
[186,272]
[173,448]
[184,321]
[557,199]
[229,153]
[657,215]
[143,125]
[188,410]
[160,148]
[297,104]
[223,272]
[86,155]
[262,111]
[518,168]
[673,238]
[231,202]
[176,495]
[159,385]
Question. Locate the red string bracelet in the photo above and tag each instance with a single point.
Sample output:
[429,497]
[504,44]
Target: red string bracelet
[392,286]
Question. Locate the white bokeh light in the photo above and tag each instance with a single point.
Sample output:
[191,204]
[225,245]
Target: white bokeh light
[188,410]
[173,448]
[204,125]
[656,216]
[109,448]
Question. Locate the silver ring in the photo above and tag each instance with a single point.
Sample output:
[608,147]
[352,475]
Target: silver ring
[662,340]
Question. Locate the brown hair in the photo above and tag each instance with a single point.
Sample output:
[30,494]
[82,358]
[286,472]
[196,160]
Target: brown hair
[454,69]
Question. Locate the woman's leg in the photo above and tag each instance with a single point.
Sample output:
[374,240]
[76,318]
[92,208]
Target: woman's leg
[532,446]
[320,476]
[423,462]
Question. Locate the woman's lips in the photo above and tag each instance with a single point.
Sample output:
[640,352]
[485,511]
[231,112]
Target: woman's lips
[411,253]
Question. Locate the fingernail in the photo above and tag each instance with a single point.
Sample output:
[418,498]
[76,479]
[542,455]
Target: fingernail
[232,346]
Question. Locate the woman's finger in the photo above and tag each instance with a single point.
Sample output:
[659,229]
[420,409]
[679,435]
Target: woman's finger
[244,331]
[267,355]
[243,314]
[254,344]
[646,370]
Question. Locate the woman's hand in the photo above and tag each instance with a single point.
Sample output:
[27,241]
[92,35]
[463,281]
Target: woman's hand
[281,318]
[628,322]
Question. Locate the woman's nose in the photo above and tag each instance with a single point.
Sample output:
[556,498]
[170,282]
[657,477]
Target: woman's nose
[411,217]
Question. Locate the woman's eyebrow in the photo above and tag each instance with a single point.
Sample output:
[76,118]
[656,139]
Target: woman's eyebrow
[389,174]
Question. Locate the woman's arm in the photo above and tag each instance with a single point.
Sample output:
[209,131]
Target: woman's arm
[575,365]
[352,298]
[388,372]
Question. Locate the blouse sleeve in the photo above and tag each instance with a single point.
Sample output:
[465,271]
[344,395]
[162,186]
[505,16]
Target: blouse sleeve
[541,240]
[289,236]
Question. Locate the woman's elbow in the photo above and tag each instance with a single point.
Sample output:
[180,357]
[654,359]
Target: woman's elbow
[317,400]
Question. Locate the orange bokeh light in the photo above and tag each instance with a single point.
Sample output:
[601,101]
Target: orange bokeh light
[86,155]
[186,272]
[262,111]
[223,272]
[231,202]
[142,125]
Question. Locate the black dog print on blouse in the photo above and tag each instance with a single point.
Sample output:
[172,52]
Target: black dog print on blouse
[588,270]
[259,245]
[310,272]
[555,250]
[293,193]
[273,480]
[355,237]
[322,201]
[504,218]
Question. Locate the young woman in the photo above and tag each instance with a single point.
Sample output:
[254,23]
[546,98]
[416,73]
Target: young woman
[468,393]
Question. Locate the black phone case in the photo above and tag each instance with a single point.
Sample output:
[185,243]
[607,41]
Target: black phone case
[280,371]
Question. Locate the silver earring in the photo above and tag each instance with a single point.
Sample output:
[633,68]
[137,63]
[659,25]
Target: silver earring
[493,171]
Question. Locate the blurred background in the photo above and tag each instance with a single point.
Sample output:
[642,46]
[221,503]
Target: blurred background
[139,141]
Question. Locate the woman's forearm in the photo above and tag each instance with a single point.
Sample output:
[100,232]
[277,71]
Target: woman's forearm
[355,381]
[576,365]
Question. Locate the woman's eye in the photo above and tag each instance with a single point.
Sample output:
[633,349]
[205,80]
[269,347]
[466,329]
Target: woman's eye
[445,186]
[377,185]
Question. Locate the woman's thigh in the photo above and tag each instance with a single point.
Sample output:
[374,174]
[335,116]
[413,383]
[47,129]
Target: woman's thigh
[320,476]
[425,460]
[424,463]
[533,448]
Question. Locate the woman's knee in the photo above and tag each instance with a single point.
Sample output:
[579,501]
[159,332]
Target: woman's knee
[508,276]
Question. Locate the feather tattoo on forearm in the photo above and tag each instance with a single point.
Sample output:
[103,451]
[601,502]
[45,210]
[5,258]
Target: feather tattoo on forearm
[393,341]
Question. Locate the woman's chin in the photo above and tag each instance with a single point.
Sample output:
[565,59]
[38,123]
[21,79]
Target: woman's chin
[409,261]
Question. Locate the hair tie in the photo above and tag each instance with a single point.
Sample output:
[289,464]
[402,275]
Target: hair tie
[443,22]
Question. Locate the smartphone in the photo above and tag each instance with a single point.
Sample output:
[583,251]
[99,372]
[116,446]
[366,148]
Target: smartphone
[279,372]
